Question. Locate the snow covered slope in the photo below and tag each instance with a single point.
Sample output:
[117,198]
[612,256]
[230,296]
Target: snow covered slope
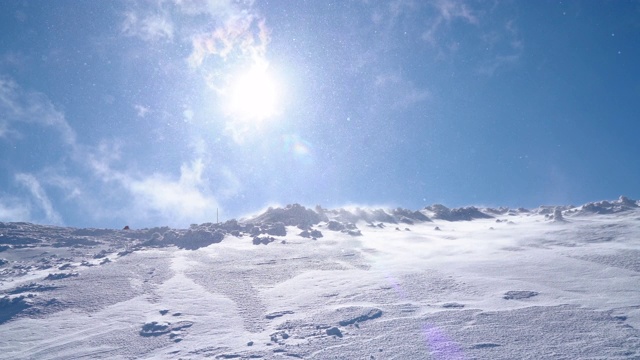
[438,283]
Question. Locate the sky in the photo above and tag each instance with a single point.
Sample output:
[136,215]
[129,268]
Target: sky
[173,112]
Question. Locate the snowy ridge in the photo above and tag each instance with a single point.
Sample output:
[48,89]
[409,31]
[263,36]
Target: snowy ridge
[467,283]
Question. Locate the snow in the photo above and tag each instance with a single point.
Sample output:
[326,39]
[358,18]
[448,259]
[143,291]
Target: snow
[472,283]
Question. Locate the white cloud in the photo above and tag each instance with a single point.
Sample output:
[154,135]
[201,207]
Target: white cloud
[508,39]
[243,34]
[40,197]
[499,61]
[17,105]
[175,201]
[178,200]
[453,9]
[148,27]
[405,92]
[141,110]
[446,12]
[12,209]
[210,7]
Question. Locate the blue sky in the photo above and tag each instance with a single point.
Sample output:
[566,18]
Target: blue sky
[160,112]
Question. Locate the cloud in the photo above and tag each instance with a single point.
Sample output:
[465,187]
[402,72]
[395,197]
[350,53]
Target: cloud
[507,48]
[148,27]
[454,9]
[19,106]
[12,209]
[243,35]
[207,7]
[178,200]
[141,110]
[446,12]
[40,197]
[158,197]
[403,92]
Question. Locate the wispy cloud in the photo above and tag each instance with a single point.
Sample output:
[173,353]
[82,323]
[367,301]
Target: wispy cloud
[17,105]
[507,48]
[148,26]
[405,93]
[40,197]
[446,12]
[136,196]
[182,199]
[160,197]
[243,34]
[141,110]
[13,209]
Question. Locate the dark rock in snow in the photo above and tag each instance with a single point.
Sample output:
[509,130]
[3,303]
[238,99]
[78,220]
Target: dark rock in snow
[556,216]
[195,239]
[410,215]
[406,220]
[255,231]
[452,305]
[276,229]
[257,240]
[10,306]
[335,226]
[355,232]
[460,214]
[32,287]
[519,295]
[156,329]
[369,315]
[334,331]
[291,215]
[100,255]
[58,276]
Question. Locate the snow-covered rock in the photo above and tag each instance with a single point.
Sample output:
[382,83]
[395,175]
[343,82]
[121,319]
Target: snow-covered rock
[442,212]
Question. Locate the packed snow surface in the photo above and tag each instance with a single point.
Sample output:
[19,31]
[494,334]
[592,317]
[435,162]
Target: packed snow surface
[359,283]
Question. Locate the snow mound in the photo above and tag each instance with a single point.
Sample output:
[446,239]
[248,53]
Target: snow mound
[556,216]
[608,207]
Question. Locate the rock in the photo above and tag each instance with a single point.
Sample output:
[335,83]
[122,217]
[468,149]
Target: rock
[334,331]
[291,215]
[335,226]
[519,295]
[276,229]
[198,238]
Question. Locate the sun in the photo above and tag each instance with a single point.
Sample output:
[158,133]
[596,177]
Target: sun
[254,95]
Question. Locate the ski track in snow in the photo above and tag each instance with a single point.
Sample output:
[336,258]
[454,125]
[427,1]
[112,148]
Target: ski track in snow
[514,286]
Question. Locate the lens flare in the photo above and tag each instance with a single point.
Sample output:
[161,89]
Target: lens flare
[300,149]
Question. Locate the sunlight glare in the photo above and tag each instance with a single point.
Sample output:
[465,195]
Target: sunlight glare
[254,95]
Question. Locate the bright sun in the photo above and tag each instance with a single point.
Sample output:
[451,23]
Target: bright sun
[254,95]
